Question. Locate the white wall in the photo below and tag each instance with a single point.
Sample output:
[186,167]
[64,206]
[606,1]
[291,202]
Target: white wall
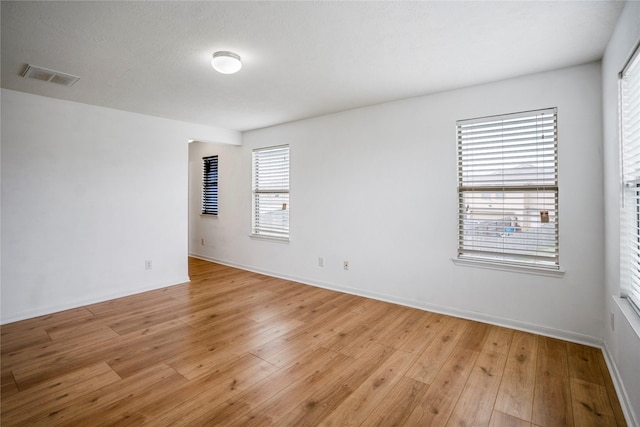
[377,186]
[89,194]
[622,341]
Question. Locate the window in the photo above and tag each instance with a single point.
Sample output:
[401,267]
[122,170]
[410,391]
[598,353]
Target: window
[630,212]
[508,189]
[210,185]
[271,192]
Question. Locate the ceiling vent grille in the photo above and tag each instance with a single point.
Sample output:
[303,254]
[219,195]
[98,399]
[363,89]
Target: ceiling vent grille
[46,75]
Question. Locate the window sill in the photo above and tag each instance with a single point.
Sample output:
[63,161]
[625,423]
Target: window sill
[508,267]
[209,215]
[629,313]
[269,238]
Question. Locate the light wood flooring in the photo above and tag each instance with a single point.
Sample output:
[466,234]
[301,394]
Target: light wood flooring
[235,348]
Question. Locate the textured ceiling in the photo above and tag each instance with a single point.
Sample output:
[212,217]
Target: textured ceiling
[301,59]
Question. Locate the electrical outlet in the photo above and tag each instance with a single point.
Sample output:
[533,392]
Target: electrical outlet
[148,265]
[320,262]
[202,241]
[613,324]
[345,265]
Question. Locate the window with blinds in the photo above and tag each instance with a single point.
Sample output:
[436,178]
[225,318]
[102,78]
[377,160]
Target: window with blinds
[271,192]
[508,189]
[210,185]
[630,212]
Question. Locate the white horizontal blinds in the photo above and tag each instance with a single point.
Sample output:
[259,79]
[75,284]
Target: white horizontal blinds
[508,188]
[210,185]
[271,191]
[630,122]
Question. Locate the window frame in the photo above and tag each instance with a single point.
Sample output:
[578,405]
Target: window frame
[210,185]
[502,254]
[630,181]
[266,190]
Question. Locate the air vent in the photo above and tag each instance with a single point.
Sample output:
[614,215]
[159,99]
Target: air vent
[46,75]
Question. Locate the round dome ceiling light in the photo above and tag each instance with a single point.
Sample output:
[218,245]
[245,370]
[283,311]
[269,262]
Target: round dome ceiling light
[226,62]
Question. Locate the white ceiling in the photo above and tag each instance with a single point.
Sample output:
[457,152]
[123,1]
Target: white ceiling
[301,59]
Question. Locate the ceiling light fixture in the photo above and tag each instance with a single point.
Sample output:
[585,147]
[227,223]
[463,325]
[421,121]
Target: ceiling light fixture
[226,62]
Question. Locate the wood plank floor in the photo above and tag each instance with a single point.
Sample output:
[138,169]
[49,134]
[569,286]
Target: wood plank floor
[239,348]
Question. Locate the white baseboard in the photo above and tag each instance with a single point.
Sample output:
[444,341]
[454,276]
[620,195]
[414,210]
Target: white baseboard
[450,311]
[81,302]
[623,397]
